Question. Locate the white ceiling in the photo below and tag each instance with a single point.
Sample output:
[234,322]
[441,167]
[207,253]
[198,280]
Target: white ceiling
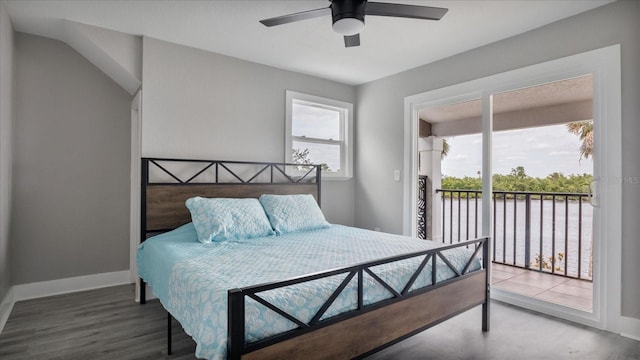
[388,45]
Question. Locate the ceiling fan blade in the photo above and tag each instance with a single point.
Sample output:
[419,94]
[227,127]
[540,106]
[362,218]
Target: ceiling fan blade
[285,19]
[353,40]
[406,11]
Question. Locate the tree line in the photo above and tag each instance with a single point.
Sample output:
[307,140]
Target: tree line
[518,180]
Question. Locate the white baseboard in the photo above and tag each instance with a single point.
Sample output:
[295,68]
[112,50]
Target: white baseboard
[56,287]
[5,308]
[630,327]
[68,285]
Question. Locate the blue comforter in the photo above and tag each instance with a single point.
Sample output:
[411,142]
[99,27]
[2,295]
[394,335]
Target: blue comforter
[191,279]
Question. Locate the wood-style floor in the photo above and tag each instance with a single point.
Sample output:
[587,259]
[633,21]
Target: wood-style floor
[108,324]
[98,324]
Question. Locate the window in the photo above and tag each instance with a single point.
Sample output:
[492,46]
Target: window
[319,132]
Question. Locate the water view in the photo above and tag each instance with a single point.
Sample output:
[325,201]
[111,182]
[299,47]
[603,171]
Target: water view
[562,236]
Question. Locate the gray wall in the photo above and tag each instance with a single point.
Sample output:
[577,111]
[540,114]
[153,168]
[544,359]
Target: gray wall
[6,145]
[71,165]
[380,108]
[197,104]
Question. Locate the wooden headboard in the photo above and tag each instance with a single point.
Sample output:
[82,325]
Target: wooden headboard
[168,183]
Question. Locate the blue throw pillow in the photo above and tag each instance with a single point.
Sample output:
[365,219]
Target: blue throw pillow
[291,213]
[219,219]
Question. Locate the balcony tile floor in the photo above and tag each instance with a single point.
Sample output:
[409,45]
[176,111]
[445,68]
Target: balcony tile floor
[573,293]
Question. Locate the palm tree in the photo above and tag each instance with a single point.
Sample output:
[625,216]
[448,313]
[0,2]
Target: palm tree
[584,129]
[445,148]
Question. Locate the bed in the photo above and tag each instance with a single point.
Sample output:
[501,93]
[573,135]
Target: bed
[314,293]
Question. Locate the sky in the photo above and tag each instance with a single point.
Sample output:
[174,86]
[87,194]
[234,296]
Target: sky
[541,151]
[320,123]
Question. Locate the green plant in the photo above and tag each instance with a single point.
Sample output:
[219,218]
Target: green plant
[300,156]
[549,262]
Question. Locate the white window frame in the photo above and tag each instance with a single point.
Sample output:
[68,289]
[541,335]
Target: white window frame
[346,131]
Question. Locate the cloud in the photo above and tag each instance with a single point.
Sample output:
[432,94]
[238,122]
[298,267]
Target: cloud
[562,153]
[541,150]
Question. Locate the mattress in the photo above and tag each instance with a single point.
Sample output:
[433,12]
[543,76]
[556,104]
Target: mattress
[191,279]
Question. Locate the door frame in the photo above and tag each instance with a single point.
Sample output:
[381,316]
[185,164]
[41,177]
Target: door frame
[134,190]
[604,65]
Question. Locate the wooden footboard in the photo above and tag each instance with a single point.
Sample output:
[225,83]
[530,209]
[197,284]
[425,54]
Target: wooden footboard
[370,331]
[369,327]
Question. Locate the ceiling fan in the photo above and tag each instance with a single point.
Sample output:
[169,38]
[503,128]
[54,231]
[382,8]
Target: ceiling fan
[348,16]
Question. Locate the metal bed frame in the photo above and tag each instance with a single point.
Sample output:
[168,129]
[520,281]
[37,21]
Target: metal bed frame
[353,334]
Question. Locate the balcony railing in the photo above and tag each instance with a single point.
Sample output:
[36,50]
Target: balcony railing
[546,232]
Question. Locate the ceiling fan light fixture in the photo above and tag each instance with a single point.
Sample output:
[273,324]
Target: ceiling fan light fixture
[348,26]
[348,16]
